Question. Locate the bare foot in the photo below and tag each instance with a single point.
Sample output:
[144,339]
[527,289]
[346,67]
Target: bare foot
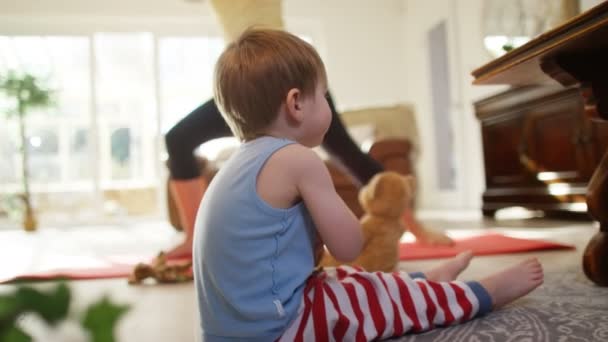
[513,282]
[181,251]
[450,269]
[432,237]
[423,234]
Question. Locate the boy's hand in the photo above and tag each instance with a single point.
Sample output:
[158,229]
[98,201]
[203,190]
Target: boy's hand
[319,253]
[319,249]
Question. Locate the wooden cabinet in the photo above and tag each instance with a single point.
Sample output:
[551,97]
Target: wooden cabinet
[574,57]
[539,149]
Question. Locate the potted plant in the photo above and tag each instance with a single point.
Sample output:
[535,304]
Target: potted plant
[24,92]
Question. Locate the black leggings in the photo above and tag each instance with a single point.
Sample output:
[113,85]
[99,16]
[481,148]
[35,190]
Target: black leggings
[206,123]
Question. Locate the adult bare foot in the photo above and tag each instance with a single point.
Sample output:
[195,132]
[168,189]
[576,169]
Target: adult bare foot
[431,237]
[450,269]
[513,282]
[423,234]
[181,251]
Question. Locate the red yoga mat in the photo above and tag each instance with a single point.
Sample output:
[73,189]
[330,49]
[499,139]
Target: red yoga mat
[486,244]
[113,270]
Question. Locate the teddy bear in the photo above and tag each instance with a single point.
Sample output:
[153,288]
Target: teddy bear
[384,200]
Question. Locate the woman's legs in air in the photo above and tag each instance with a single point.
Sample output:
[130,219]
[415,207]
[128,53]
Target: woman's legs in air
[342,147]
[186,184]
[206,123]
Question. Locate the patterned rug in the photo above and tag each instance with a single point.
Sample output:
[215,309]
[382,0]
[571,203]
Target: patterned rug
[567,307]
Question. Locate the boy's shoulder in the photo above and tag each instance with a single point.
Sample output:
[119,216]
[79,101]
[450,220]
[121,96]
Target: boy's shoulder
[297,155]
[295,160]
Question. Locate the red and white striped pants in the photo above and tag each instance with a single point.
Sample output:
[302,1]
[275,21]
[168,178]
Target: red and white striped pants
[348,304]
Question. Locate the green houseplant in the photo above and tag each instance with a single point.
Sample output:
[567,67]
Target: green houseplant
[24,92]
[96,323]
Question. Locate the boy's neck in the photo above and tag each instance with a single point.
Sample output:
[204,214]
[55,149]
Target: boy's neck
[279,135]
[280,128]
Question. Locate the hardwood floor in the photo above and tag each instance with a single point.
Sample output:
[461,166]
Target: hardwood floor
[169,312]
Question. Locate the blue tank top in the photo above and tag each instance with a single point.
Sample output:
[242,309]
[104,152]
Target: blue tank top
[251,260]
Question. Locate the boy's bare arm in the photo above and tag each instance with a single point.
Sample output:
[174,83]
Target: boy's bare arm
[338,227]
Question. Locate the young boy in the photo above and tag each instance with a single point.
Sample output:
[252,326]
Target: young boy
[274,201]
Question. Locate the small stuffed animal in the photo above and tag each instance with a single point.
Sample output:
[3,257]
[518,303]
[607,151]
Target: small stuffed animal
[384,200]
[161,271]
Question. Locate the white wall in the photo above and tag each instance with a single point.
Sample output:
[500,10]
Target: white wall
[362,47]
[130,8]
[466,52]
[587,4]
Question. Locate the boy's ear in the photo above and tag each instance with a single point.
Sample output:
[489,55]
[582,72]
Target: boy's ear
[293,104]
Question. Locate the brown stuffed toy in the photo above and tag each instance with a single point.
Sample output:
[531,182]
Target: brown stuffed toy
[161,271]
[384,200]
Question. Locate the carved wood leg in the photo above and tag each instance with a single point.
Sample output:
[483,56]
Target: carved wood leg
[589,69]
[595,258]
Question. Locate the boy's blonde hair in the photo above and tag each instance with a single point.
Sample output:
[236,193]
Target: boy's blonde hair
[255,73]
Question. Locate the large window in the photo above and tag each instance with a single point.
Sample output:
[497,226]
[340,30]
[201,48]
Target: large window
[100,148]
[58,137]
[116,95]
[125,107]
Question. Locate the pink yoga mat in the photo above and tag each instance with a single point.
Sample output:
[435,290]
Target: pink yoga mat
[486,244]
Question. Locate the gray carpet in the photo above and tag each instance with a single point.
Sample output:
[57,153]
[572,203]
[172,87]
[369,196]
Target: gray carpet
[567,308]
